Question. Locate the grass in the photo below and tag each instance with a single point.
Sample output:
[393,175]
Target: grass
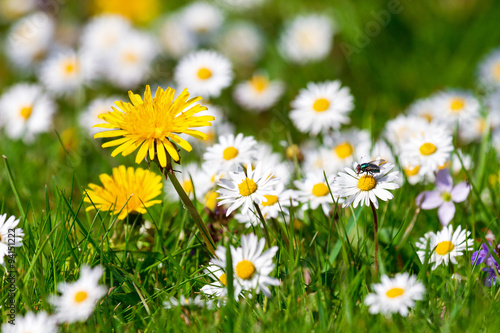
[326,267]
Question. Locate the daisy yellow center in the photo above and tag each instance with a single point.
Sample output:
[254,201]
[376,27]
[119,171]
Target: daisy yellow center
[412,171]
[367,183]
[395,292]
[211,200]
[271,200]
[427,116]
[223,279]
[457,104]
[247,187]
[344,150]
[321,105]
[496,72]
[26,112]
[245,269]
[229,153]
[320,190]
[70,67]
[81,296]
[204,73]
[130,57]
[444,247]
[259,83]
[188,186]
[427,149]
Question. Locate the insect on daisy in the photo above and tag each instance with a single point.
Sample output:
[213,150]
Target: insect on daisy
[151,125]
[446,245]
[395,295]
[79,298]
[245,188]
[251,264]
[125,191]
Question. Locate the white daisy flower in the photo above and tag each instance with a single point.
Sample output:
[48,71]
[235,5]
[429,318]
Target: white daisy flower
[456,105]
[400,129]
[39,322]
[175,38]
[258,93]
[201,18]
[347,146]
[312,191]
[307,38]
[25,111]
[492,104]
[364,187]
[205,72]
[67,71]
[14,9]
[272,163]
[217,288]
[245,189]
[395,295]
[231,152]
[245,53]
[6,237]
[278,201]
[129,63]
[251,265]
[79,298]
[489,69]
[475,130]
[321,107]
[89,117]
[102,34]
[197,302]
[251,219]
[424,108]
[413,172]
[430,148]
[29,39]
[445,246]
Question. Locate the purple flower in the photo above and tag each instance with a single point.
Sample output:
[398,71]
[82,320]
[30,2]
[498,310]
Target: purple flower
[444,196]
[484,256]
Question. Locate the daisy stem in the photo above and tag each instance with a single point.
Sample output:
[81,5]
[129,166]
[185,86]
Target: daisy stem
[375,220]
[263,220]
[169,174]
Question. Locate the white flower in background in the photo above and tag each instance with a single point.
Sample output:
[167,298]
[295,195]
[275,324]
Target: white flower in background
[217,288]
[413,173]
[428,149]
[67,71]
[13,9]
[130,61]
[400,129]
[492,103]
[39,322]
[229,43]
[347,146]
[312,191]
[102,34]
[6,225]
[231,152]
[220,127]
[251,219]
[252,265]
[444,246]
[475,129]
[194,180]
[25,111]
[307,38]
[205,72]
[241,5]
[245,188]
[489,69]
[79,298]
[89,117]
[258,93]
[175,38]
[365,187]
[278,201]
[424,108]
[396,295]
[272,163]
[29,39]
[196,302]
[381,149]
[456,105]
[201,18]
[321,107]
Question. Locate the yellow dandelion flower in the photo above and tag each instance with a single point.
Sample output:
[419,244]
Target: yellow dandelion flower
[151,125]
[139,11]
[125,191]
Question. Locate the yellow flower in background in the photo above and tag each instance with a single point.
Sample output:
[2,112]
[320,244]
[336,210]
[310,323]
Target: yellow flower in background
[138,11]
[126,191]
[150,125]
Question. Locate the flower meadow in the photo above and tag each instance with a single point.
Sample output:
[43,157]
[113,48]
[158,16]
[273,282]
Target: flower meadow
[249,166]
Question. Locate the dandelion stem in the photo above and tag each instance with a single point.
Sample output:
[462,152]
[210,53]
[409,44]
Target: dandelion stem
[375,220]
